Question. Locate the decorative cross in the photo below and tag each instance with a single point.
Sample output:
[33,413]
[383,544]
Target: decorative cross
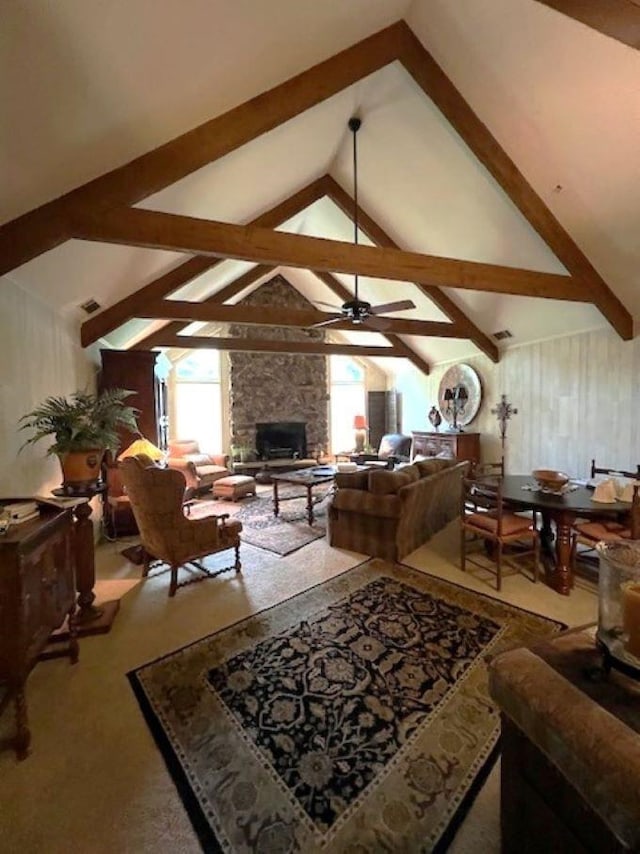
[503,411]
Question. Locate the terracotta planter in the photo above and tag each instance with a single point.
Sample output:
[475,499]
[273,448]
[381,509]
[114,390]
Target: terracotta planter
[80,469]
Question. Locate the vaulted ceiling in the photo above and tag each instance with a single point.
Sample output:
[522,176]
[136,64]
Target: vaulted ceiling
[498,165]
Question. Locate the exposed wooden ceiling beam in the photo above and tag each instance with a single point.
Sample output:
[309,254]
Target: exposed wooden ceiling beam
[402,349]
[263,315]
[109,319]
[47,226]
[435,83]
[619,19]
[156,338]
[259,345]
[379,236]
[154,229]
[174,327]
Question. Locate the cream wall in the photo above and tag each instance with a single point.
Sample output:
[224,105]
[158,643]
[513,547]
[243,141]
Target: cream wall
[40,356]
[578,397]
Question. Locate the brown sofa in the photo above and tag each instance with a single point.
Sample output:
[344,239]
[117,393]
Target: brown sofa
[390,513]
[200,470]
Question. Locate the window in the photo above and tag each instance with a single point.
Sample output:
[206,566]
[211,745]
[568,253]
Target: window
[198,411]
[348,399]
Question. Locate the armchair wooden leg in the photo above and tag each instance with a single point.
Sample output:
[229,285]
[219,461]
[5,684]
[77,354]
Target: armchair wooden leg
[145,562]
[237,565]
[499,565]
[173,586]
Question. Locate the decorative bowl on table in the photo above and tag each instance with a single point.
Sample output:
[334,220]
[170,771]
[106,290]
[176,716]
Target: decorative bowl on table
[550,479]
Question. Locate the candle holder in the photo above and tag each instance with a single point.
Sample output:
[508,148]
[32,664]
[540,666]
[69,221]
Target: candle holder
[455,401]
[618,634]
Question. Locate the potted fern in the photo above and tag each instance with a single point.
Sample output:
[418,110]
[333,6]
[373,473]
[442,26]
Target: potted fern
[84,426]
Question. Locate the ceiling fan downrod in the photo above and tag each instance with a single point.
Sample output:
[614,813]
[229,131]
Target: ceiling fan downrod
[354,126]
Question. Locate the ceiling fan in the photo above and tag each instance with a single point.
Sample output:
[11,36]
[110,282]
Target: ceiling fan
[356,310]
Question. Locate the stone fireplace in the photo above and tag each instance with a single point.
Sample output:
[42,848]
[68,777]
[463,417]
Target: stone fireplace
[278,387]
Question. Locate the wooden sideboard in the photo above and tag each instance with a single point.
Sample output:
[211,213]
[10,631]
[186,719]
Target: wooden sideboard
[462,446]
[37,591]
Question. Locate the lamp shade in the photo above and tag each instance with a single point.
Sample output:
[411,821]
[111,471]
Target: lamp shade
[142,446]
[359,422]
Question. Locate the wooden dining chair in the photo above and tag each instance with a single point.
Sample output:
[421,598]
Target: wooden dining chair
[508,536]
[590,532]
[634,475]
[488,469]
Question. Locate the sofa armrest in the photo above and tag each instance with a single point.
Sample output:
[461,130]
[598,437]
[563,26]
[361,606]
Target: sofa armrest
[187,468]
[219,460]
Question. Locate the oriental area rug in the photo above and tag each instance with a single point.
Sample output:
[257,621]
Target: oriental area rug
[282,534]
[354,717]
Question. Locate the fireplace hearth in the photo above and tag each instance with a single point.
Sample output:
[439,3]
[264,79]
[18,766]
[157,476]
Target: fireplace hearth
[281,440]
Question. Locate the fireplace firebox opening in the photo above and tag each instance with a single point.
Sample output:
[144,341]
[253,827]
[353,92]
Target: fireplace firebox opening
[281,440]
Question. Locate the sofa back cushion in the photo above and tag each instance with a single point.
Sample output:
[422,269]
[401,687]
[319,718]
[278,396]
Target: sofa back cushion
[382,482]
[180,448]
[433,465]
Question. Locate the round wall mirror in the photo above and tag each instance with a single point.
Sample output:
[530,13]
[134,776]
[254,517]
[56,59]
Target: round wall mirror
[459,395]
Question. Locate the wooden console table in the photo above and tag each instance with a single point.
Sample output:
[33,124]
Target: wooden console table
[461,446]
[91,620]
[37,591]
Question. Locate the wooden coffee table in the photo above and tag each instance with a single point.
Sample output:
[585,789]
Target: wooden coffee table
[307,478]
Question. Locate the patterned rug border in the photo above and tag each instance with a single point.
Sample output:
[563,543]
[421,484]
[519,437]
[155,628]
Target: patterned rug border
[180,778]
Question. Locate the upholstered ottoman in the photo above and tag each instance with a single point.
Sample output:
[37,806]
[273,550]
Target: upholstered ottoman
[234,487]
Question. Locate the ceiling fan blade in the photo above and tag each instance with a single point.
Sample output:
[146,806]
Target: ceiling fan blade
[328,304]
[400,305]
[378,323]
[325,323]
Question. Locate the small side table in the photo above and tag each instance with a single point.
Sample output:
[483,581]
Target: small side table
[90,619]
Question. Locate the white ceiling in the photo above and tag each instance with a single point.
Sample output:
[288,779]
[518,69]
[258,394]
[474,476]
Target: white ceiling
[114,80]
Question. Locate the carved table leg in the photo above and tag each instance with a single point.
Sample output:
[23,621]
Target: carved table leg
[563,575]
[276,506]
[546,536]
[85,564]
[73,635]
[309,505]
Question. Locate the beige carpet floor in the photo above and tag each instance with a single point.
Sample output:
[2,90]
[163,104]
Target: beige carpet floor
[95,781]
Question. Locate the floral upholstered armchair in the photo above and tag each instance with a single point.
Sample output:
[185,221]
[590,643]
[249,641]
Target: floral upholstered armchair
[200,470]
[157,496]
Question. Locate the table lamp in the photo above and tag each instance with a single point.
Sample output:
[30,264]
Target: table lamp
[360,427]
[142,446]
[456,400]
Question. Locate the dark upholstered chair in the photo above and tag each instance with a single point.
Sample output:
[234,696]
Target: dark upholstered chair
[157,496]
[393,448]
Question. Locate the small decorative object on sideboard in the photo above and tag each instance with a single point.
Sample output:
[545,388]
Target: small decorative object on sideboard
[618,634]
[435,418]
[84,426]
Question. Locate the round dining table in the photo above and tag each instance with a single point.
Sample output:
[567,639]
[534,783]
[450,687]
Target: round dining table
[561,510]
